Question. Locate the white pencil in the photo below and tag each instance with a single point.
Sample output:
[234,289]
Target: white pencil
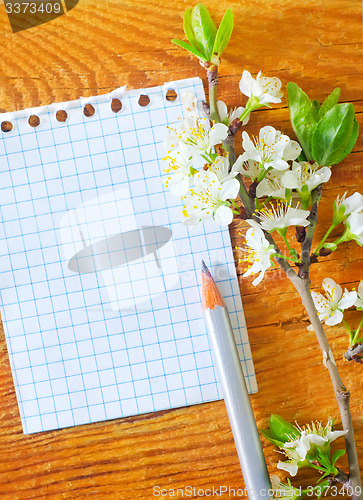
[234,390]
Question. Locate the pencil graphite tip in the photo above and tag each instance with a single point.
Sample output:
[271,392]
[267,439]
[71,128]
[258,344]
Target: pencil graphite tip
[204,267]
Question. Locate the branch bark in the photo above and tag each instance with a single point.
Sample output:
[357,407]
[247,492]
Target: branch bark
[307,241]
[212,75]
[355,354]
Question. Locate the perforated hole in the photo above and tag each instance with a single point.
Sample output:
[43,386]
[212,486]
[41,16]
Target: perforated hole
[116,105]
[6,126]
[34,120]
[171,95]
[61,115]
[88,110]
[144,100]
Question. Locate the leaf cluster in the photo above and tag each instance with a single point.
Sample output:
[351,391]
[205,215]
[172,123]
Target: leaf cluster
[206,42]
[327,133]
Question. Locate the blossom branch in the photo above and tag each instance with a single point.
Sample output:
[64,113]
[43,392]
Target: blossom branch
[341,392]
[302,284]
[308,240]
[212,75]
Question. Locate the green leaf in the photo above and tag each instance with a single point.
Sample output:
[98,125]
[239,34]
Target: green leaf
[270,437]
[188,30]
[302,117]
[329,102]
[301,156]
[224,33]
[189,48]
[336,455]
[335,135]
[204,29]
[315,107]
[281,429]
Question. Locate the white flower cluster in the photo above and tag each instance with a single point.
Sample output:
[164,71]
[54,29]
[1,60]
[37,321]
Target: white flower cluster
[265,160]
[197,173]
[257,248]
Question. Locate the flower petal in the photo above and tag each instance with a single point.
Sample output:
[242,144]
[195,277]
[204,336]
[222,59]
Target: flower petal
[291,151]
[347,300]
[291,468]
[290,180]
[333,435]
[320,302]
[222,110]
[218,133]
[335,318]
[332,289]
[223,215]
[229,189]
[279,164]
[267,134]
[246,83]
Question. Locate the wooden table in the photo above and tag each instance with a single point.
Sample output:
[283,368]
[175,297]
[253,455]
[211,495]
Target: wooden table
[96,47]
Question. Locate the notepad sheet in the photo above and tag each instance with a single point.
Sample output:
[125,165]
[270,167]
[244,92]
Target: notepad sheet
[100,282]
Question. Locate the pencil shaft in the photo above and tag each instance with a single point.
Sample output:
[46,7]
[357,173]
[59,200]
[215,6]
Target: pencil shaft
[238,404]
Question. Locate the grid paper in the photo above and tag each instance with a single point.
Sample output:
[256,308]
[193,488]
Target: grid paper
[100,282]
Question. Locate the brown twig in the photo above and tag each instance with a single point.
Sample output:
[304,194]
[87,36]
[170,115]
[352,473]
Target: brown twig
[355,354]
[212,75]
[307,241]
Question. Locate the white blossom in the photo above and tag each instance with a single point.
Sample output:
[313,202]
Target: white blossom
[295,454]
[305,174]
[178,171]
[271,185]
[359,302]
[220,167]
[248,168]
[259,252]
[227,118]
[197,135]
[330,306]
[311,436]
[265,89]
[280,217]
[318,435]
[271,149]
[346,206]
[209,198]
[354,224]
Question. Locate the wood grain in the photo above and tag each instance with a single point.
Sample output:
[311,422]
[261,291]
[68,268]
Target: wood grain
[96,47]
